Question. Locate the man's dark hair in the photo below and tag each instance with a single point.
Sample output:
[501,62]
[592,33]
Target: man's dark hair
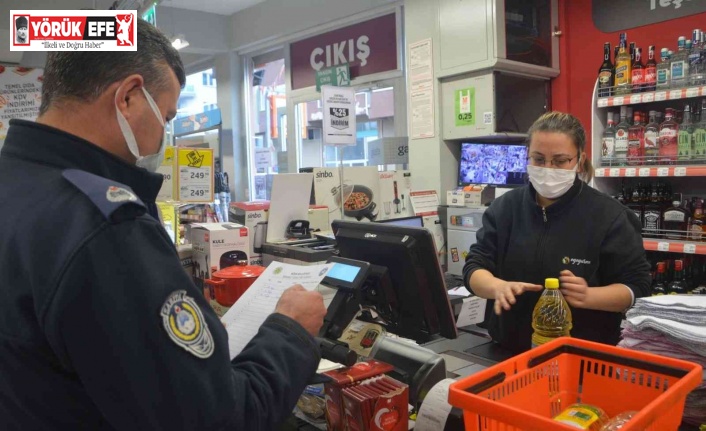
[85,75]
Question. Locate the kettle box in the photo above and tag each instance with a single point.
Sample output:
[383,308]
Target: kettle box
[217,246]
[252,215]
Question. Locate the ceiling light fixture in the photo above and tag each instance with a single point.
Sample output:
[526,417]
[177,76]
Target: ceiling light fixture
[180,42]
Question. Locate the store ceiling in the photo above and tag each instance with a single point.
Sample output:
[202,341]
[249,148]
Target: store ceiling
[221,7]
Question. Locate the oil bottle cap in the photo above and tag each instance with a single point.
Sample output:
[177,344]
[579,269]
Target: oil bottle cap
[551,283]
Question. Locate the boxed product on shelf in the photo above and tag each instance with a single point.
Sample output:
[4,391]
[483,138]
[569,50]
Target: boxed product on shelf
[360,192]
[186,257]
[343,378]
[252,215]
[395,187]
[217,246]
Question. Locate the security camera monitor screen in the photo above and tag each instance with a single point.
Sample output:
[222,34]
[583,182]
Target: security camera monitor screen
[496,164]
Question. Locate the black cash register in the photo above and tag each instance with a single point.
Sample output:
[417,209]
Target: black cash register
[393,271]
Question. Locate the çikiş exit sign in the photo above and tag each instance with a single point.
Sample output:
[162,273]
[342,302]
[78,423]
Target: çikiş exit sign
[611,15]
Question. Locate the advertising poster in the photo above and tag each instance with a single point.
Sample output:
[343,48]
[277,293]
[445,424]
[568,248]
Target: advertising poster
[339,115]
[465,109]
[20,95]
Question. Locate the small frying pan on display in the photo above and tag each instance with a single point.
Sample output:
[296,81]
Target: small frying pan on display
[359,204]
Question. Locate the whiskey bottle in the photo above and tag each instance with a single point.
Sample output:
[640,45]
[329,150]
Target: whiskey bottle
[678,285]
[658,286]
[675,220]
[605,73]
[623,65]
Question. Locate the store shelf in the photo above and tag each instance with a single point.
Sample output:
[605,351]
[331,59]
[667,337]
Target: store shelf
[651,96]
[674,246]
[652,171]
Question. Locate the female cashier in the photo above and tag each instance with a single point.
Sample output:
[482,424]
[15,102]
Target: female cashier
[557,226]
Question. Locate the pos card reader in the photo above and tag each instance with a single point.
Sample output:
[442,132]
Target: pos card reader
[360,283]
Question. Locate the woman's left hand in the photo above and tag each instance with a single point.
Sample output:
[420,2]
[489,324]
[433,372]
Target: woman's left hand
[575,289]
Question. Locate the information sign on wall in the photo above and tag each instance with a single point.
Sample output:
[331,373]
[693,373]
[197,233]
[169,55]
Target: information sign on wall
[611,15]
[465,107]
[368,47]
[20,95]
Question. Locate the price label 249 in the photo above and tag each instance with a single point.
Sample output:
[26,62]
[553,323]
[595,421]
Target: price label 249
[198,175]
[198,193]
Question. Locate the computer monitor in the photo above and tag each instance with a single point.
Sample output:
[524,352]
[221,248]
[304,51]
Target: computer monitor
[411,297]
[414,221]
[492,163]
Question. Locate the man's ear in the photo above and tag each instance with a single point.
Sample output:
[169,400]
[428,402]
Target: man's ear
[126,91]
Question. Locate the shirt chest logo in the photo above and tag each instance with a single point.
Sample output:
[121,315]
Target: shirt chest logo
[574,261]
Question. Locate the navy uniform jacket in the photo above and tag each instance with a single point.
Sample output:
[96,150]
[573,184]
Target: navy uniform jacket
[101,328]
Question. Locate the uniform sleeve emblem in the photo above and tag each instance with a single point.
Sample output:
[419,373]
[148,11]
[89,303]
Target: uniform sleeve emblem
[119,194]
[186,326]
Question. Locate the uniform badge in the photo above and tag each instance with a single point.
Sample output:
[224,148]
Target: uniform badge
[119,194]
[186,326]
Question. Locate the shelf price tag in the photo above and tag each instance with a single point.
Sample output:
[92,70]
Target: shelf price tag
[690,248]
[195,174]
[602,103]
[680,171]
[630,172]
[636,98]
[166,193]
[644,172]
[648,97]
[619,100]
[675,94]
[692,92]
[663,246]
[660,96]
[662,172]
[614,172]
[600,172]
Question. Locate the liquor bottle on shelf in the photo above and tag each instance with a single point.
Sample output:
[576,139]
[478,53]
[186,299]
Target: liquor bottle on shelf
[650,74]
[679,65]
[629,115]
[659,286]
[636,140]
[668,132]
[699,136]
[615,61]
[608,142]
[675,220]
[651,140]
[632,52]
[635,203]
[638,72]
[605,73]
[684,140]
[621,139]
[652,214]
[623,72]
[678,285]
[696,230]
[696,66]
[663,71]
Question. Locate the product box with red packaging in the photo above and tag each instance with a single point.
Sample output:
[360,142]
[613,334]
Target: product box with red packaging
[343,378]
[376,404]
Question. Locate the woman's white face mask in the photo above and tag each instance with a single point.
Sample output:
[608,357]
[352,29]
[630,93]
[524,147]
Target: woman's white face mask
[551,183]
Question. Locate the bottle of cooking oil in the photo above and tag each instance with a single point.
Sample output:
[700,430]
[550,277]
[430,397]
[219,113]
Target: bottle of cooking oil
[551,317]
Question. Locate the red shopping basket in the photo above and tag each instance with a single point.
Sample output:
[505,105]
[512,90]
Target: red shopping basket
[525,392]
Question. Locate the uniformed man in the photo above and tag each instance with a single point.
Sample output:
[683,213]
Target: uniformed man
[100,327]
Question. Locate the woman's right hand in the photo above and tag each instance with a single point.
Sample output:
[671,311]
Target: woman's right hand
[506,292]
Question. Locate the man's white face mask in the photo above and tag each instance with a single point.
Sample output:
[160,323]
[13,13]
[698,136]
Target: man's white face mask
[151,161]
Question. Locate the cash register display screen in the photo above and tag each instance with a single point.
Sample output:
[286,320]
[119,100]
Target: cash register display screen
[341,271]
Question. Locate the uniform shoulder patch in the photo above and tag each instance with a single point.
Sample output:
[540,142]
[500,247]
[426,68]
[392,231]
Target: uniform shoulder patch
[105,194]
[185,324]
